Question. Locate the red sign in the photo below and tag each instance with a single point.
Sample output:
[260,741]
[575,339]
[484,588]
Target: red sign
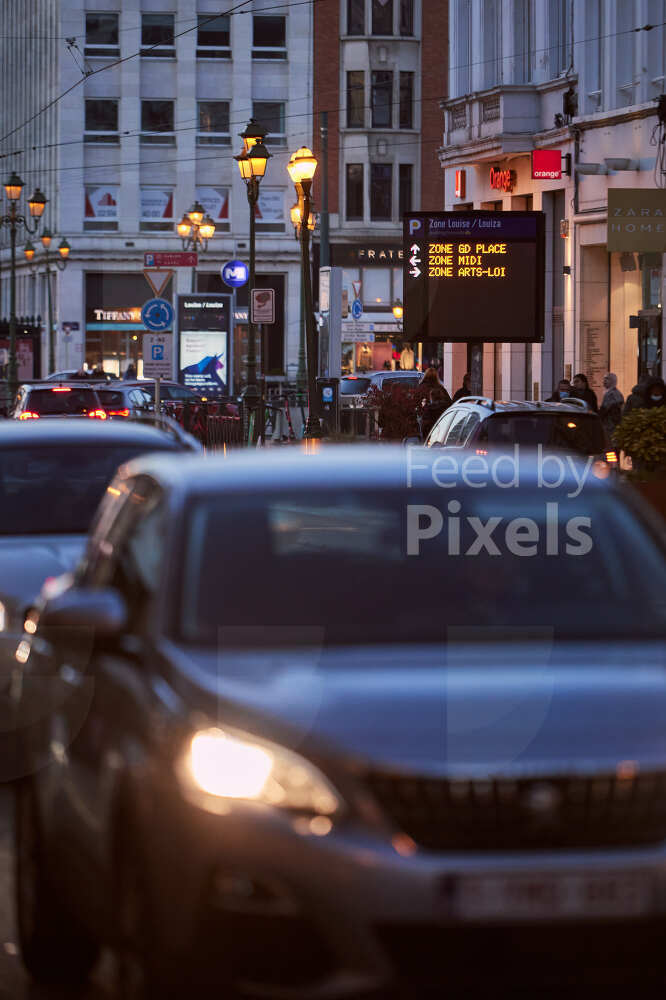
[546,164]
[177,259]
[461,185]
[502,180]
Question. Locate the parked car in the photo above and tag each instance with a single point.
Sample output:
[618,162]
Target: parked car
[258,778]
[121,401]
[52,476]
[353,388]
[72,375]
[476,422]
[35,400]
[171,391]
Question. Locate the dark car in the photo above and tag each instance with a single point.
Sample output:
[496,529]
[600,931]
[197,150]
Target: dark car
[354,388]
[53,474]
[294,727]
[170,391]
[122,402]
[36,400]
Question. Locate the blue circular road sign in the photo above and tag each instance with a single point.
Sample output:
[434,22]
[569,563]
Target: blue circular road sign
[157,315]
[235,273]
[357,309]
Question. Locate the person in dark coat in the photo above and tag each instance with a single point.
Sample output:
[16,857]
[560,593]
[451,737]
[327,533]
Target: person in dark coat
[563,391]
[636,399]
[465,389]
[610,410]
[581,390]
[130,372]
[655,392]
[439,402]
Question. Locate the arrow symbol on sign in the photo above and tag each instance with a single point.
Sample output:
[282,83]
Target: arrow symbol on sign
[415,271]
[415,248]
[414,260]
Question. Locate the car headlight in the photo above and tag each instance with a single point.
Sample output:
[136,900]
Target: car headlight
[222,765]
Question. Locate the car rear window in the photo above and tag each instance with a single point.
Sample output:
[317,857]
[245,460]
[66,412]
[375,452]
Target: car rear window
[405,383]
[108,397]
[353,386]
[50,402]
[55,490]
[581,433]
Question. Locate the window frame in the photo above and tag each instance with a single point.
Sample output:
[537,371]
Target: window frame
[102,50]
[402,208]
[355,89]
[152,50]
[272,138]
[354,8]
[406,18]
[361,186]
[376,89]
[269,51]
[157,225]
[105,136]
[208,137]
[374,187]
[92,225]
[154,136]
[213,51]
[375,6]
[406,99]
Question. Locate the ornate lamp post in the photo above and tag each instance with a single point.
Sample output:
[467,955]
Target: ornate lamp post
[61,264]
[301,371]
[301,169]
[252,166]
[15,221]
[195,229]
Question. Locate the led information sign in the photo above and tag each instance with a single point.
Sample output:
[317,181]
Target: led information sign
[471,276]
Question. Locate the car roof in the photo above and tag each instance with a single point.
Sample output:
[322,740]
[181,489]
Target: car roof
[516,405]
[344,466]
[15,433]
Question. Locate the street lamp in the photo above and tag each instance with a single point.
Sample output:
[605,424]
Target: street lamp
[252,163]
[195,229]
[15,221]
[301,169]
[398,310]
[60,263]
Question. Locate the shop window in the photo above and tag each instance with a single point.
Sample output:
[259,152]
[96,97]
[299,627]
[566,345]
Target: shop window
[397,284]
[381,100]
[406,17]
[100,208]
[156,209]
[354,194]
[157,122]
[356,98]
[381,183]
[157,35]
[213,37]
[213,123]
[376,287]
[101,35]
[406,100]
[271,115]
[355,17]
[101,121]
[405,189]
[382,17]
[269,37]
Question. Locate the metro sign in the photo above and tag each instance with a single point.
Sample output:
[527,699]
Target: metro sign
[546,164]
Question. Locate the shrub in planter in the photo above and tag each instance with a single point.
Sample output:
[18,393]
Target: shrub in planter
[641,434]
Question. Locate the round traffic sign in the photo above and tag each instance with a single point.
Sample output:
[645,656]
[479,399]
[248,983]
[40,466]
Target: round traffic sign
[357,309]
[235,273]
[157,315]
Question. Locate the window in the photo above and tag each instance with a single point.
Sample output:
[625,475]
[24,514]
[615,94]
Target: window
[559,29]
[355,17]
[101,121]
[354,201]
[157,122]
[463,56]
[269,211]
[406,17]
[156,209]
[406,100]
[102,35]
[455,434]
[157,35]
[382,17]
[213,37]
[100,208]
[381,182]
[492,43]
[594,54]
[625,52]
[382,98]
[656,47]
[439,431]
[376,286]
[523,33]
[405,192]
[270,114]
[356,98]
[269,37]
[213,123]
[215,201]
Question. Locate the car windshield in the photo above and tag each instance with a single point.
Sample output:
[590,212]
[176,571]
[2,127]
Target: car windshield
[54,490]
[579,432]
[345,567]
[353,386]
[61,400]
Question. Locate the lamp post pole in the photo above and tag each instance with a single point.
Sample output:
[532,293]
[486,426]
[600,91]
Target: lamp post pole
[251,390]
[61,264]
[313,426]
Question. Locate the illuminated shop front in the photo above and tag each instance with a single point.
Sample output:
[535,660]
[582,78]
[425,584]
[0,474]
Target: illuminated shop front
[113,320]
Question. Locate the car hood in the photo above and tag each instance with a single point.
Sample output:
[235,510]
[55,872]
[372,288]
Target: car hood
[27,560]
[469,709]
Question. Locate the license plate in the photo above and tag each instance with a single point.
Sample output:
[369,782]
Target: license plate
[552,897]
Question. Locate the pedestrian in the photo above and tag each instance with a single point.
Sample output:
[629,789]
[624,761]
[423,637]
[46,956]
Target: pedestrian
[465,389]
[655,392]
[430,379]
[610,410]
[581,390]
[439,401]
[636,399]
[563,391]
[130,371]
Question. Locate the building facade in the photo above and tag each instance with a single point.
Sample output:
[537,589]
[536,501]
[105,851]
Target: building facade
[128,147]
[379,84]
[553,106]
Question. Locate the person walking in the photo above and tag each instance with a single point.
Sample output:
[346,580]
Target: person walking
[465,389]
[655,392]
[610,410]
[563,391]
[130,371]
[581,390]
[439,401]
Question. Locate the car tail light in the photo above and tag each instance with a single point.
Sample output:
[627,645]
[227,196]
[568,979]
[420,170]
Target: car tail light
[481,451]
[61,389]
[97,414]
[117,413]
[29,415]
[611,457]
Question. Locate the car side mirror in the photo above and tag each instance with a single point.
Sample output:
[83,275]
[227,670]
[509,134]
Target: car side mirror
[102,611]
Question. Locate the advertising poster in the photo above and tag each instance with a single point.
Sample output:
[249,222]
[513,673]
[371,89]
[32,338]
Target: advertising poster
[101,203]
[156,204]
[270,206]
[203,331]
[215,202]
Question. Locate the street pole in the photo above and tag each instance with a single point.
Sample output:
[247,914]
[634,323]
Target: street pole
[194,280]
[301,371]
[251,393]
[50,312]
[324,240]
[313,427]
[12,370]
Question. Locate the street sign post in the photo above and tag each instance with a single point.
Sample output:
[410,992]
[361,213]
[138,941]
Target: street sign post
[184,258]
[157,279]
[157,355]
[263,305]
[357,309]
[157,315]
[235,273]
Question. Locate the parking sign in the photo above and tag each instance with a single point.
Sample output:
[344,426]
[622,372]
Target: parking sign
[157,357]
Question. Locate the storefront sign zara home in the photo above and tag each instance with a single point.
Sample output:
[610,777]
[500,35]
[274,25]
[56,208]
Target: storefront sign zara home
[636,220]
